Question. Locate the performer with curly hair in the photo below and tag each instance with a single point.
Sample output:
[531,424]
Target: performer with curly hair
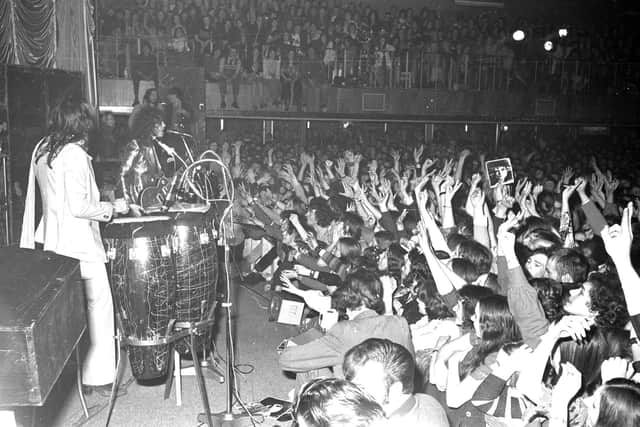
[144,161]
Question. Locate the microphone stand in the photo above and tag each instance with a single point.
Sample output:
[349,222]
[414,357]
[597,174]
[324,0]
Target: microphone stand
[227,418]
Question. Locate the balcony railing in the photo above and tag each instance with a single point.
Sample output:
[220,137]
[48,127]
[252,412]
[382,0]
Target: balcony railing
[403,70]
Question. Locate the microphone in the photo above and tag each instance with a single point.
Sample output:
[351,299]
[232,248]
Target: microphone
[186,146]
[175,132]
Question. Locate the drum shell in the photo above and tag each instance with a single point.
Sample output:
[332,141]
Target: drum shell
[143,282]
[195,254]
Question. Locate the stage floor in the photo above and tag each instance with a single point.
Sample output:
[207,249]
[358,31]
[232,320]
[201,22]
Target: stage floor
[256,341]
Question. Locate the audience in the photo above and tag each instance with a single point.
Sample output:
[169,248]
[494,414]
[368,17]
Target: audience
[421,279]
[352,43]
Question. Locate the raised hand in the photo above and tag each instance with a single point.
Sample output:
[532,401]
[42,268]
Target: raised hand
[395,155]
[574,327]
[475,180]
[340,167]
[511,222]
[537,189]
[610,183]
[417,154]
[450,189]
[476,199]
[567,173]
[448,167]
[426,165]
[617,238]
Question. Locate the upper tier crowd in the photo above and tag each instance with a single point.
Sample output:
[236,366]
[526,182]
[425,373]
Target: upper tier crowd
[351,43]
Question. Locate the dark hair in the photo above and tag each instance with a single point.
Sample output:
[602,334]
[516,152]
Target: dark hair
[332,402]
[362,288]
[428,293]
[454,240]
[551,295]
[607,301]
[469,296]
[69,121]
[338,204]
[619,404]
[536,234]
[147,94]
[545,203]
[324,215]
[177,92]
[353,224]
[497,329]
[595,252]
[395,261]
[571,262]
[143,123]
[477,253]
[465,269]
[397,362]
[349,249]
[587,355]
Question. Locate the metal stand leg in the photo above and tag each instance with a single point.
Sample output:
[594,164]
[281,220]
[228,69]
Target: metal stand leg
[83,402]
[116,380]
[170,370]
[200,381]
[177,373]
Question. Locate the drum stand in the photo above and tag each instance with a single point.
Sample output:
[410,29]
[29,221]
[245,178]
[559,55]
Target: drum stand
[176,371]
[192,332]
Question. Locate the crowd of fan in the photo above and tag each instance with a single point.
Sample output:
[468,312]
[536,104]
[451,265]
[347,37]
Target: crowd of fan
[351,43]
[457,303]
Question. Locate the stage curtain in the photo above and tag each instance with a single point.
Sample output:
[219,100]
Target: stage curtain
[6,37]
[28,32]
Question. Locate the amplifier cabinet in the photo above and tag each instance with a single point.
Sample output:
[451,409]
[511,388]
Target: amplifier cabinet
[42,318]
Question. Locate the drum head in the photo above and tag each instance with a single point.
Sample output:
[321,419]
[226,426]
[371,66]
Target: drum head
[145,226]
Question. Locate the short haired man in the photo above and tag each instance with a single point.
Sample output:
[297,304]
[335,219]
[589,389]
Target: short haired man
[386,371]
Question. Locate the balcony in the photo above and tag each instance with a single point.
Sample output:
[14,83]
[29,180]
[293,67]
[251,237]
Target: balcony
[416,83]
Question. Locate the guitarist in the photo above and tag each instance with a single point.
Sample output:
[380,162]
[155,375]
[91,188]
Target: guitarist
[145,163]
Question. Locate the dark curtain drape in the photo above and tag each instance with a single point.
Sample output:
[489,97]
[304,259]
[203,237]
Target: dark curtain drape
[28,32]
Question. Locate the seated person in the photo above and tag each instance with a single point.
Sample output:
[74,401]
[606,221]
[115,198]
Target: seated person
[332,402]
[386,371]
[313,354]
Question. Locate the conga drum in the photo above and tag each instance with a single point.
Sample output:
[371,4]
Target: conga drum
[143,283]
[196,258]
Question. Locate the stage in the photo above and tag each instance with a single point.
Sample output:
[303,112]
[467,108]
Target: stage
[256,340]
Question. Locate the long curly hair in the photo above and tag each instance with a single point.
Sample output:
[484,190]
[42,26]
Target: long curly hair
[69,121]
[607,301]
[143,123]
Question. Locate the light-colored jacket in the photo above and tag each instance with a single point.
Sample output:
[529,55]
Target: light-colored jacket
[70,203]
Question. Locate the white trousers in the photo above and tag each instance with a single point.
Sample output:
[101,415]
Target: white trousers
[99,364]
[7,419]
